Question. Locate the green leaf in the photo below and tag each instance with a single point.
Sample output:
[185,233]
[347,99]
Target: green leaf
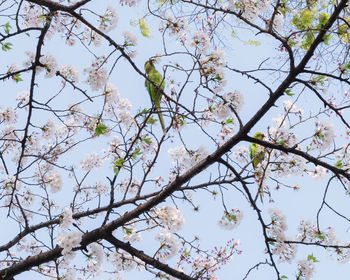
[7,27]
[136,153]
[304,19]
[17,77]
[117,165]
[339,164]
[145,30]
[119,162]
[229,120]
[152,120]
[252,43]
[312,258]
[320,236]
[322,18]
[147,140]
[231,217]
[284,277]
[128,231]
[283,143]
[318,79]
[101,129]
[6,46]
[289,92]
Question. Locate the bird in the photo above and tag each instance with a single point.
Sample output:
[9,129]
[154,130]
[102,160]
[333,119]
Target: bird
[257,155]
[155,92]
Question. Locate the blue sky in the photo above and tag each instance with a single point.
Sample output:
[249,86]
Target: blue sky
[294,204]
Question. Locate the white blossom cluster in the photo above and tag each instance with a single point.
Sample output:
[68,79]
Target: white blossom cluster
[27,198]
[171,220]
[54,180]
[96,256]
[49,129]
[324,135]
[183,159]
[33,15]
[128,185]
[306,268]
[231,220]
[100,188]
[283,136]
[318,173]
[97,74]
[290,107]
[111,94]
[50,65]
[308,232]
[9,184]
[168,245]
[343,157]
[278,225]
[276,230]
[117,106]
[241,154]
[278,22]
[115,149]
[178,27]
[232,101]
[123,261]
[129,3]
[48,61]
[66,218]
[70,73]
[205,265]
[212,68]
[23,98]
[90,36]
[8,115]
[289,164]
[131,233]
[170,217]
[69,240]
[70,274]
[130,39]
[251,9]
[201,41]
[109,20]
[91,161]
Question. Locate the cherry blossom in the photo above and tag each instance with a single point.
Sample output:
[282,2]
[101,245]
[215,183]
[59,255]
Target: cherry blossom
[69,240]
[92,187]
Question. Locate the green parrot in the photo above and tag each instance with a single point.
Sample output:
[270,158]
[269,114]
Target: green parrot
[256,155]
[155,93]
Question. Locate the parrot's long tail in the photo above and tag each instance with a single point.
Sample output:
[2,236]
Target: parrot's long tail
[161,120]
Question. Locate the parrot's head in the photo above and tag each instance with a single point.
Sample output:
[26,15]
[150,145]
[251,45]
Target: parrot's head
[259,135]
[149,65]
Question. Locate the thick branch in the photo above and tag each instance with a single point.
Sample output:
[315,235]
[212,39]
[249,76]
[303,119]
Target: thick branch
[147,259]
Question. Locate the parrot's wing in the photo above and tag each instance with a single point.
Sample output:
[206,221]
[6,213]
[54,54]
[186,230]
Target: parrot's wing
[148,87]
[155,93]
[157,78]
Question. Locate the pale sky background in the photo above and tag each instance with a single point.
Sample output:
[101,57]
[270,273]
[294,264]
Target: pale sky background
[295,205]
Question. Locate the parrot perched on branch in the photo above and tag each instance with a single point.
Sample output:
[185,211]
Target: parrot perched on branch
[257,155]
[155,93]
